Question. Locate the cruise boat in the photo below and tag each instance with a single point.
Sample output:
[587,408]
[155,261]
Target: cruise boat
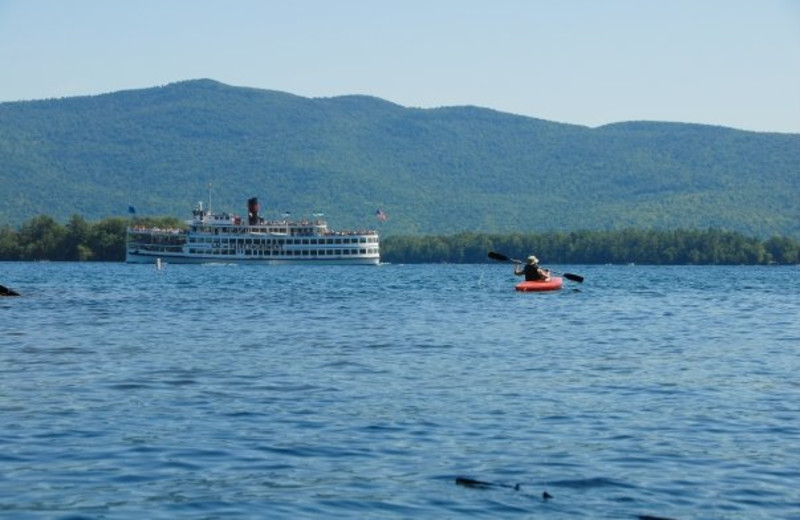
[224,238]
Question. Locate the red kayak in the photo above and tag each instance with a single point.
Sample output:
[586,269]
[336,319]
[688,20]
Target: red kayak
[553,284]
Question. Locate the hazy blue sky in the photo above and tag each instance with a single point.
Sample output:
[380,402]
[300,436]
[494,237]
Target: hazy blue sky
[590,62]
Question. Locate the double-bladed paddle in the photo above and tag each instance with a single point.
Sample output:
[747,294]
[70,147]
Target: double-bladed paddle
[503,258]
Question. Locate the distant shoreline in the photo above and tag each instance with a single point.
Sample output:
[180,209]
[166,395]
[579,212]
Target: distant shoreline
[44,239]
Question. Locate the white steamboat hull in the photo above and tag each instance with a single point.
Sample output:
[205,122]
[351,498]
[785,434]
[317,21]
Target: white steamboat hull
[132,257]
[228,239]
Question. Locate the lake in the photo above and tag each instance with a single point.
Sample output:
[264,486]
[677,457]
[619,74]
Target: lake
[224,391]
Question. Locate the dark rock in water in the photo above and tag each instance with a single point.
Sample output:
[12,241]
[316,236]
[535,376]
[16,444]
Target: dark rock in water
[471,483]
[5,291]
[480,484]
[546,496]
[650,517]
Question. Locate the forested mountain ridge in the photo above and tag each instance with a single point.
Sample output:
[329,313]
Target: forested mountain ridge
[434,171]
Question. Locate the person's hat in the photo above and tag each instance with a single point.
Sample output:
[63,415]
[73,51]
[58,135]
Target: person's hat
[533,260]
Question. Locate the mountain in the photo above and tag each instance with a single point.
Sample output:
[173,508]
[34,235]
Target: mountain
[433,171]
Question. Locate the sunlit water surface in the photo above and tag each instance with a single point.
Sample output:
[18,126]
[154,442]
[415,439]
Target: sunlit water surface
[363,392]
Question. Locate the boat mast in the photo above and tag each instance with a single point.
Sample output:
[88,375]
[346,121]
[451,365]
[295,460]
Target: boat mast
[209,199]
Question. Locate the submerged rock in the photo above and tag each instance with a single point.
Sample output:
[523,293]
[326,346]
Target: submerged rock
[5,291]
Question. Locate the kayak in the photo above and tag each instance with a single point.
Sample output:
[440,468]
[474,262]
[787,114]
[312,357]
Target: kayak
[553,284]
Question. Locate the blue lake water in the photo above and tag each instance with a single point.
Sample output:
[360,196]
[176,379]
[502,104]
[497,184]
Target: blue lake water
[363,392]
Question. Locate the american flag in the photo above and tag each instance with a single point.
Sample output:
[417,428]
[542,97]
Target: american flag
[380,215]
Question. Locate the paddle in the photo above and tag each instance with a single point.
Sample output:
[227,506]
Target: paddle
[503,258]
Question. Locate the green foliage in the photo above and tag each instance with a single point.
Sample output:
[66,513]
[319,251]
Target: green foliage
[435,172]
[681,247]
[42,238]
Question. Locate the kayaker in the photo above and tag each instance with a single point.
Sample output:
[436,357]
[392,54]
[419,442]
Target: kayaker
[531,270]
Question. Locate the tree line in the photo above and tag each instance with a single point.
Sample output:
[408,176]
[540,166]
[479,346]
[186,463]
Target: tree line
[652,247]
[43,238]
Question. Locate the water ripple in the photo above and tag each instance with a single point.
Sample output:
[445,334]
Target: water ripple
[228,392]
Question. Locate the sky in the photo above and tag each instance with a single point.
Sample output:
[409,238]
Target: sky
[733,63]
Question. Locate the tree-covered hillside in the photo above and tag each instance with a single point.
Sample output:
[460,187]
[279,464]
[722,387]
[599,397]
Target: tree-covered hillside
[433,171]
